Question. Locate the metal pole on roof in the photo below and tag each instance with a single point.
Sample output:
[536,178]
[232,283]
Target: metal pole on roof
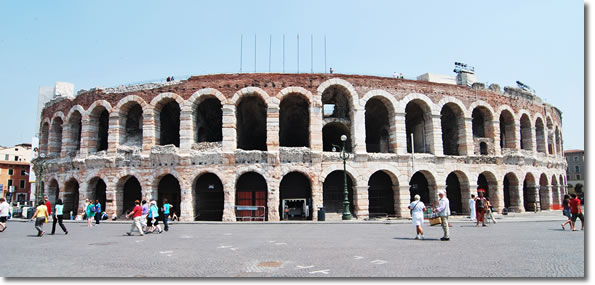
[298,53]
[311,53]
[270,46]
[241,50]
[254,53]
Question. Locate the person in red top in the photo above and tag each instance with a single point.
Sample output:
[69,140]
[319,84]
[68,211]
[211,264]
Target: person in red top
[575,210]
[48,205]
[136,214]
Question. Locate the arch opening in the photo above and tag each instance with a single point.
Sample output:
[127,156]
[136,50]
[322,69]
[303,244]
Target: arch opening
[294,122]
[132,191]
[453,193]
[43,141]
[71,199]
[540,135]
[209,199]
[331,135]
[53,191]
[530,194]
[418,123]
[453,126]
[336,103]
[55,141]
[251,190]
[419,185]
[507,139]
[169,189]
[377,127]
[333,190]
[526,133]
[96,191]
[133,126]
[169,124]
[380,195]
[75,125]
[295,194]
[251,116]
[208,121]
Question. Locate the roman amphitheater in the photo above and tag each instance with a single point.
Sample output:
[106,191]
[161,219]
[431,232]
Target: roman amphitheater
[236,147]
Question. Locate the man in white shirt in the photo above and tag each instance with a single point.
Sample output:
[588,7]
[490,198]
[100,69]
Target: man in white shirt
[4,208]
[443,211]
[472,207]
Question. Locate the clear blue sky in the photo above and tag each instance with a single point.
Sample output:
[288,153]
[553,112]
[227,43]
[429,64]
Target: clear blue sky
[108,43]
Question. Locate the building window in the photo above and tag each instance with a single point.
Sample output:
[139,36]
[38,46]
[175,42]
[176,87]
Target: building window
[16,158]
[21,197]
[23,172]
[577,169]
[10,171]
[22,184]
[6,157]
[578,177]
[576,158]
[9,183]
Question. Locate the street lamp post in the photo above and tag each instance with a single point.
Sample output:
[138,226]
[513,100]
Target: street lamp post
[344,156]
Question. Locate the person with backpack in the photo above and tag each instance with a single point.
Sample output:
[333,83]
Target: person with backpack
[152,220]
[417,208]
[97,212]
[480,207]
[165,208]
[90,211]
[566,212]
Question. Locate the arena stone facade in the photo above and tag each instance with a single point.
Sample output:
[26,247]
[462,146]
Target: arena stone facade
[210,143]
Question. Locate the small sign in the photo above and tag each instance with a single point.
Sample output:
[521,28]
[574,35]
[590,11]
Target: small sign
[247,208]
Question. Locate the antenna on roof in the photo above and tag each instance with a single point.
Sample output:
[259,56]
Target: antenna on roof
[461,67]
[525,87]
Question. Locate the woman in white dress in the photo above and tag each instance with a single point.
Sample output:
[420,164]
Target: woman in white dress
[417,208]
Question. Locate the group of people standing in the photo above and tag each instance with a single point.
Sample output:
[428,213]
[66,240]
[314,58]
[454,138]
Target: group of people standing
[481,208]
[146,217]
[92,211]
[442,211]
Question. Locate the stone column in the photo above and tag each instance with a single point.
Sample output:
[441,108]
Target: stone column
[272,128]
[273,199]
[402,201]
[84,151]
[469,136]
[466,191]
[400,133]
[436,143]
[498,203]
[359,131]
[361,202]
[186,202]
[534,137]
[66,140]
[517,135]
[149,131]
[496,132]
[316,128]
[113,134]
[111,199]
[433,189]
[186,129]
[229,129]
[317,202]
[229,197]
[516,198]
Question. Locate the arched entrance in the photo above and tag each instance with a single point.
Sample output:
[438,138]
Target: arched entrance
[208,191]
[487,181]
[295,193]
[53,191]
[555,194]
[71,198]
[131,119]
[251,190]
[169,188]
[97,190]
[331,135]
[510,185]
[294,121]
[169,124]
[377,127]
[453,129]
[530,195]
[507,137]
[251,122]
[420,185]
[131,191]
[544,193]
[380,195]
[418,123]
[453,193]
[208,121]
[334,194]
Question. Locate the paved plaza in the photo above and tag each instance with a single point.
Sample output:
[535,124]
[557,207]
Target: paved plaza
[530,245]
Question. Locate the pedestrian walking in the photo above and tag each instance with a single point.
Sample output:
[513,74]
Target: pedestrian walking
[165,208]
[152,218]
[58,217]
[566,212]
[575,210]
[41,217]
[145,212]
[48,205]
[84,215]
[417,208]
[137,213]
[97,212]
[443,211]
[480,206]
[90,211]
[489,213]
[4,212]
[472,208]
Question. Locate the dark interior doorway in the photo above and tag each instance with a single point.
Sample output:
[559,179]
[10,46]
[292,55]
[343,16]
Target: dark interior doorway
[453,193]
[209,198]
[71,199]
[169,188]
[169,122]
[419,186]
[251,120]
[251,190]
[132,192]
[296,191]
[334,193]
[380,195]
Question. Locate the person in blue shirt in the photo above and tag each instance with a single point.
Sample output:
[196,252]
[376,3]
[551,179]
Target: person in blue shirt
[97,212]
[165,208]
[152,220]
[58,217]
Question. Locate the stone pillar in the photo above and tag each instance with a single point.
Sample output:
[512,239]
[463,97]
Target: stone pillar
[466,191]
[470,146]
[401,133]
[111,199]
[361,202]
[359,131]
[534,137]
[436,143]
[149,131]
[186,202]
[272,127]
[317,202]
[229,129]
[84,151]
[496,131]
[273,199]
[186,129]
[316,128]
[498,202]
[433,189]
[113,134]
[229,197]
[66,140]
[517,135]
[516,198]
[545,197]
[402,201]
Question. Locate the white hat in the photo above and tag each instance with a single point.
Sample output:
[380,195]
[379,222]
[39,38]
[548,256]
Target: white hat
[442,192]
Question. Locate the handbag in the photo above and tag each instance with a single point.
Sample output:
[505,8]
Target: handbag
[435,220]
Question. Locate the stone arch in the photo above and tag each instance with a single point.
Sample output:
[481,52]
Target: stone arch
[206,106]
[530,193]
[418,121]
[545,194]
[97,120]
[512,199]
[417,97]
[73,109]
[167,110]
[295,194]
[205,93]
[333,193]
[44,134]
[252,189]
[307,95]
[455,101]
[526,127]
[380,122]
[169,187]
[294,120]
[128,189]
[208,196]
[96,190]
[73,129]
[458,191]
[52,191]
[490,182]
[549,135]
[249,91]
[130,112]
[382,192]
[556,193]
[351,172]
[343,83]
[251,120]
[482,116]
[423,183]
[71,198]
[452,121]
[55,134]
[540,135]
[558,141]
[507,121]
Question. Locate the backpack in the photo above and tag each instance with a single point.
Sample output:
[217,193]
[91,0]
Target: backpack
[479,203]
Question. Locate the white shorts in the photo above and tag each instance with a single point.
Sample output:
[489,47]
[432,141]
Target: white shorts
[417,221]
